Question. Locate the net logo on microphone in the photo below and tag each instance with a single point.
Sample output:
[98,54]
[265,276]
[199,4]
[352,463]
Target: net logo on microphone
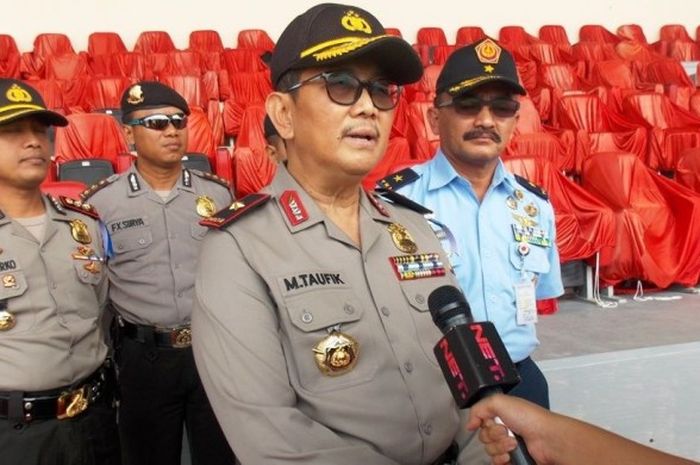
[460,385]
[487,351]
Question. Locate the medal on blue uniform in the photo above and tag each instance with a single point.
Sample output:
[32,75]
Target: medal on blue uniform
[531,209]
[511,202]
[519,194]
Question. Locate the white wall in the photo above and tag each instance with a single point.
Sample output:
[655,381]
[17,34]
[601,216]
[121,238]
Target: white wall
[78,18]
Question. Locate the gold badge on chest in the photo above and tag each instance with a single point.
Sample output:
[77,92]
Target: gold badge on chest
[336,354]
[9,281]
[205,206]
[80,232]
[7,320]
[402,238]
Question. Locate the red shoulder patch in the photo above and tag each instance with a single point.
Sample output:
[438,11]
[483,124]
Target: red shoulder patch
[234,211]
[78,206]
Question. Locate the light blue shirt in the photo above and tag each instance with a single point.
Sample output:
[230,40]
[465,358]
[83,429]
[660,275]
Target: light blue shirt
[489,261]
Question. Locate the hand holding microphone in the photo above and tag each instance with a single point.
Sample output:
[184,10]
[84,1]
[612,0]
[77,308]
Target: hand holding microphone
[472,356]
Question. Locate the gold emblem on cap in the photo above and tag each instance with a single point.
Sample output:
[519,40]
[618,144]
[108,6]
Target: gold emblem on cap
[7,321]
[488,69]
[531,209]
[205,206]
[135,95]
[80,232]
[354,22]
[402,238]
[488,51]
[336,354]
[18,94]
[9,281]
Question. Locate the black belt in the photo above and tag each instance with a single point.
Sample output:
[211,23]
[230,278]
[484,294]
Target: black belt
[61,403]
[518,364]
[449,457]
[174,338]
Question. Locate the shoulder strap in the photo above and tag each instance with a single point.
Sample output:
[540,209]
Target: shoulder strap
[399,179]
[235,211]
[532,187]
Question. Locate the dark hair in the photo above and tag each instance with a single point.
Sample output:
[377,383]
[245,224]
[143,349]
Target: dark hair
[287,80]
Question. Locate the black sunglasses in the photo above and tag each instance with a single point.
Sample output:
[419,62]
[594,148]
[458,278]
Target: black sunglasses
[469,105]
[344,88]
[160,122]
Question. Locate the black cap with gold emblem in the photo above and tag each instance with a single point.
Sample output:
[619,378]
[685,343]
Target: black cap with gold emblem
[146,95]
[18,100]
[329,33]
[477,64]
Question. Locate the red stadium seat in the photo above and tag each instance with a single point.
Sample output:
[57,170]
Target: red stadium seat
[393,31]
[398,152]
[105,93]
[431,36]
[201,137]
[684,51]
[185,62]
[511,36]
[468,35]
[633,32]
[32,63]
[51,93]
[205,41]
[242,60]
[190,87]
[657,221]
[671,32]
[150,42]
[554,34]
[105,43]
[596,33]
[89,135]
[246,89]
[688,169]
[9,57]
[424,89]
[252,170]
[584,224]
[223,164]
[71,189]
[251,133]
[67,67]
[255,39]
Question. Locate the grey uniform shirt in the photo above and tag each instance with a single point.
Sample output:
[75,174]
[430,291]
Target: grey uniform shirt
[271,286]
[154,244]
[56,302]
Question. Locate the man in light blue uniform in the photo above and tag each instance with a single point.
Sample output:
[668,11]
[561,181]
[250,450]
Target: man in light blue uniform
[503,246]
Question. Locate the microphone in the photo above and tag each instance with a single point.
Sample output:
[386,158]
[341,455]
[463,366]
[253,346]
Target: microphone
[472,356]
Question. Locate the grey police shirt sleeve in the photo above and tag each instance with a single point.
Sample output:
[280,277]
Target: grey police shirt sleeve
[244,371]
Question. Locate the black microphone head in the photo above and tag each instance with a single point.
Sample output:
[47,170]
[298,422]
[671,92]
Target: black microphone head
[449,308]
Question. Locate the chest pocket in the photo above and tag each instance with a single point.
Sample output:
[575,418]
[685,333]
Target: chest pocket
[88,272]
[536,261]
[417,293]
[13,284]
[130,234]
[198,231]
[309,317]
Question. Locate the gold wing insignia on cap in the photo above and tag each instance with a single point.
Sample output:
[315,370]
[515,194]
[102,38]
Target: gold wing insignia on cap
[18,95]
[135,95]
[354,22]
[488,52]
[337,47]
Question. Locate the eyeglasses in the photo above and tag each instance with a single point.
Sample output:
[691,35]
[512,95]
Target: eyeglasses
[160,122]
[344,88]
[501,107]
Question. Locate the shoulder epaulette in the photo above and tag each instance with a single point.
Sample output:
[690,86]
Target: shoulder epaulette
[74,205]
[399,199]
[211,177]
[398,180]
[532,187]
[87,193]
[234,211]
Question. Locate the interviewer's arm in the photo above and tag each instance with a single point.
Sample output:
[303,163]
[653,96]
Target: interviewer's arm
[554,439]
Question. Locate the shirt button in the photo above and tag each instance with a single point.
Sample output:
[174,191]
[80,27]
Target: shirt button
[428,429]
[408,366]
[420,298]
[307,317]
[385,311]
[179,294]
[349,309]
[142,241]
[54,285]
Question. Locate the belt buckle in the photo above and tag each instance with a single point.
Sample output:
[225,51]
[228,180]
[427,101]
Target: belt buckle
[181,338]
[72,403]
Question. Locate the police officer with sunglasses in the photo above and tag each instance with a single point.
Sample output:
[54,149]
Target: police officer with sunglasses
[152,214]
[504,250]
[311,329]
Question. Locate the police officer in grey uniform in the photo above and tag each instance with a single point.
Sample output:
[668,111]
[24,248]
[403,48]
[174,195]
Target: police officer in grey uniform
[55,394]
[311,328]
[151,213]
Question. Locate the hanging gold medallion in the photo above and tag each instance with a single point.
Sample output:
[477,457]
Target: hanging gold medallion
[7,320]
[402,238]
[511,202]
[531,209]
[336,354]
[518,194]
[205,206]
[9,281]
[80,232]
